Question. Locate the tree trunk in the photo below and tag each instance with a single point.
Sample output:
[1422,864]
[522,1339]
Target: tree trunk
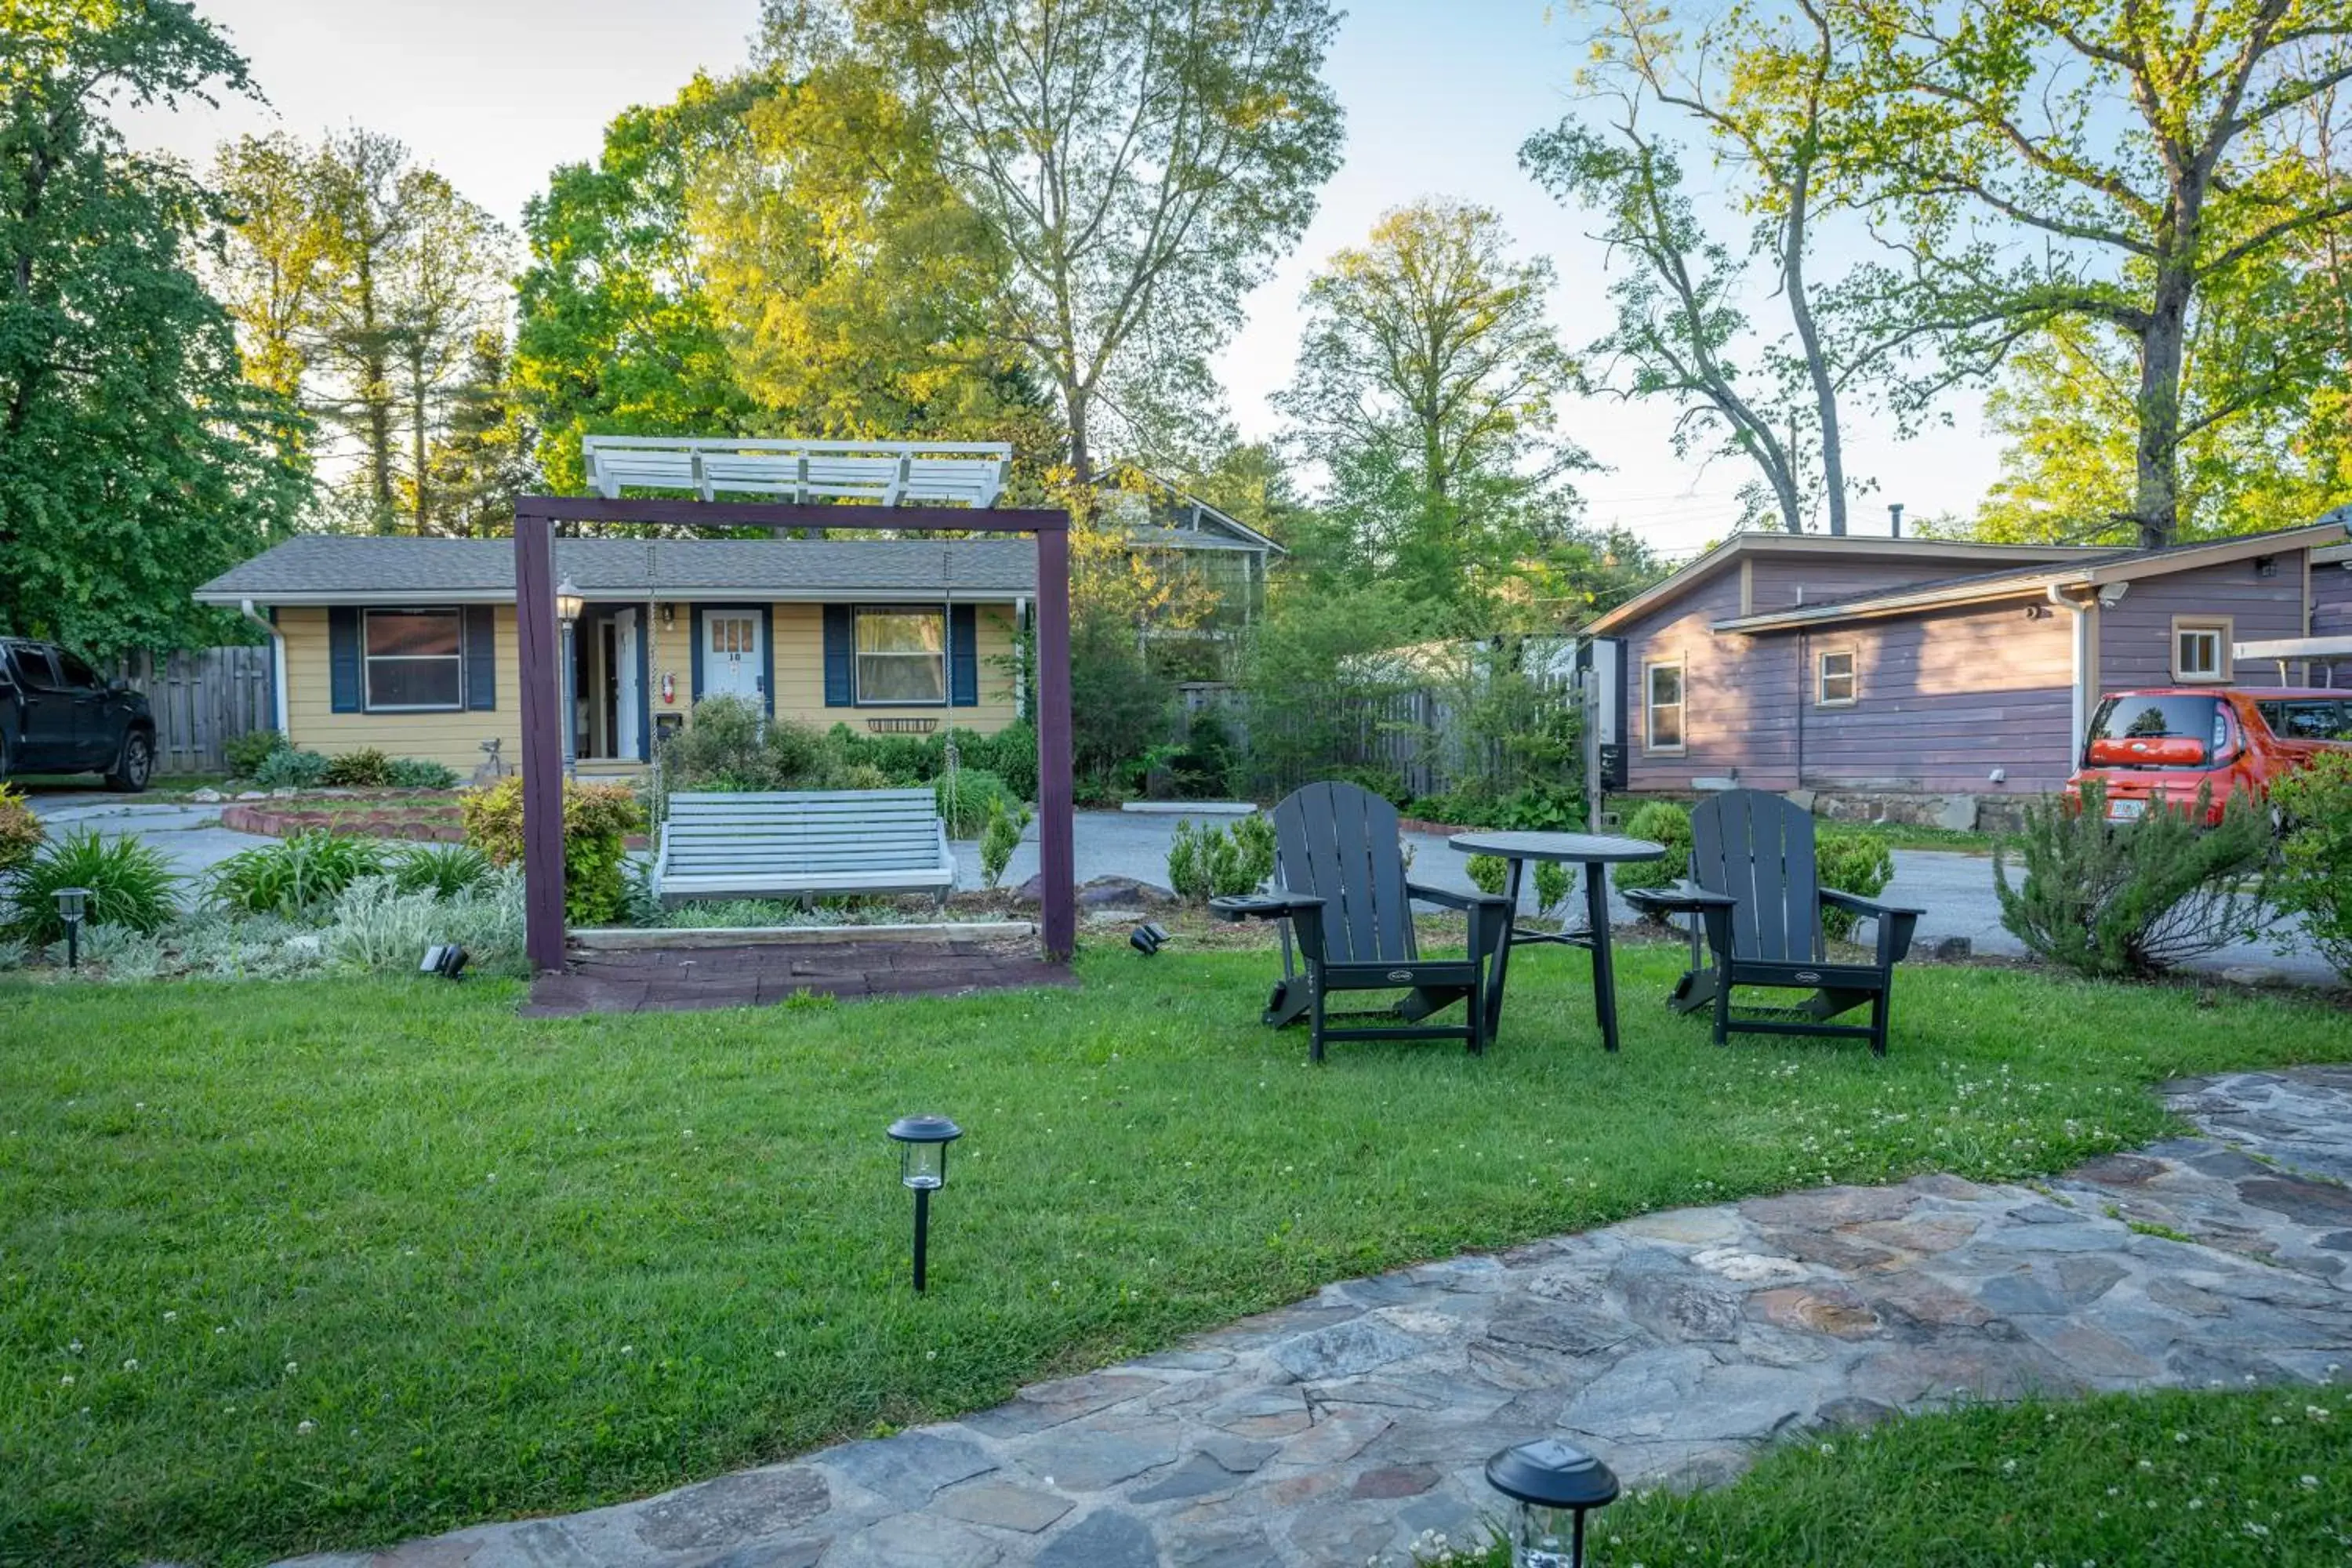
[2155,496]
[1074,400]
[1801,308]
[422,506]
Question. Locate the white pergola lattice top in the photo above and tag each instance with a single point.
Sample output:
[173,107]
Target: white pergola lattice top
[888,473]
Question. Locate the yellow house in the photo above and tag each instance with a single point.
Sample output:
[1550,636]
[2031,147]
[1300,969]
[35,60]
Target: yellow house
[408,645]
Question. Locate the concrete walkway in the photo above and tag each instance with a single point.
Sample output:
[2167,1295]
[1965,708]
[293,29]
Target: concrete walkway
[1676,1346]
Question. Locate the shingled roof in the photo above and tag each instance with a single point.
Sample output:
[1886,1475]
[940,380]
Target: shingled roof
[350,570]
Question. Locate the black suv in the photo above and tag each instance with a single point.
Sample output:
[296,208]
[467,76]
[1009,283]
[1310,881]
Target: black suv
[58,716]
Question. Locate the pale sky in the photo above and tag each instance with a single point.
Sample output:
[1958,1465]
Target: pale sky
[1438,96]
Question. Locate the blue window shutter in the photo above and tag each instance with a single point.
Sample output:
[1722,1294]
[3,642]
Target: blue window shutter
[343,659]
[963,655]
[481,658]
[768,658]
[694,625]
[840,686]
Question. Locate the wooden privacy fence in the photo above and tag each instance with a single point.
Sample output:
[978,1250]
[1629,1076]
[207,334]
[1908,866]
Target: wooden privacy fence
[202,698]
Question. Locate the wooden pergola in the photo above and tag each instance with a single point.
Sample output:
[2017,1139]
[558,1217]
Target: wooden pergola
[537,636]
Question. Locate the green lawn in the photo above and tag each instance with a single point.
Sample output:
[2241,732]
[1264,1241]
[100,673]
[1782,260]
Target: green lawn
[348,1260]
[2213,1480]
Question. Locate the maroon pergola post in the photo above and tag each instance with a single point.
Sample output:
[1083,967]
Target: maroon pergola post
[543,734]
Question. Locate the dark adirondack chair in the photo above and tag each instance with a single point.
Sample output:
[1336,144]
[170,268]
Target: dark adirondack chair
[1755,897]
[1343,897]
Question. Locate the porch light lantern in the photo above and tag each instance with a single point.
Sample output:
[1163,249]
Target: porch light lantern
[567,615]
[1552,1486]
[923,1167]
[73,903]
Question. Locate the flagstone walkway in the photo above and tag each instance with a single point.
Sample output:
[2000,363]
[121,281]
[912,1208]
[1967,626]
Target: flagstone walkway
[1675,1345]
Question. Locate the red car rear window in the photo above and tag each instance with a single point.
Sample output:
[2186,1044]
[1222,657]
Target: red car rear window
[2131,731]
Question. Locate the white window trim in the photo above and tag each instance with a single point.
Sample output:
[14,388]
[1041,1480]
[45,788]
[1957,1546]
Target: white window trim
[367,686]
[1821,699]
[1649,708]
[857,657]
[2220,629]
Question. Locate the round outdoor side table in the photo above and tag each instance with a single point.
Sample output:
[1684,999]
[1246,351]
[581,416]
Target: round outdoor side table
[1593,851]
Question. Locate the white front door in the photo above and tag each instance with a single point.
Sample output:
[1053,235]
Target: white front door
[731,664]
[625,675]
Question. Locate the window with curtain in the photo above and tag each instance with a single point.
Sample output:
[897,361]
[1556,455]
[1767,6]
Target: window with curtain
[902,655]
[415,660]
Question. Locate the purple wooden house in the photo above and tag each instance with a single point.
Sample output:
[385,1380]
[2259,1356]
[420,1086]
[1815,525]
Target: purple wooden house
[1934,679]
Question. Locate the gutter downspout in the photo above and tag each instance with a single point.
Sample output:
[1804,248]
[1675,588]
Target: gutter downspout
[276,665]
[2085,627]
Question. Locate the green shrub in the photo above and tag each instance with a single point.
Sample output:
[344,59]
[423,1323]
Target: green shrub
[1856,863]
[1553,884]
[998,838]
[596,819]
[2314,880]
[1487,873]
[1541,808]
[1010,754]
[1253,844]
[860,775]
[245,754]
[1202,767]
[445,870]
[1210,862]
[20,831]
[2134,897]
[289,769]
[419,773]
[367,768]
[290,879]
[731,744]
[130,882]
[1660,822]
[966,797]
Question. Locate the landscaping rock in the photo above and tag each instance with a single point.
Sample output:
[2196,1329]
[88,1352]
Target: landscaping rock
[1101,893]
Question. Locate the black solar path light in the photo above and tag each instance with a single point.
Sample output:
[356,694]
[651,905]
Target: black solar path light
[923,1165]
[73,903]
[1552,1486]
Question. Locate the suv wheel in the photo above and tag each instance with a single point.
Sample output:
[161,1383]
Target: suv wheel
[137,761]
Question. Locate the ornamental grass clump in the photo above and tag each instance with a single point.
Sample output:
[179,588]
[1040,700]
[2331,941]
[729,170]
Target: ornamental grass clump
[131,885]
[292,879]
[2134,898]
[2314,877]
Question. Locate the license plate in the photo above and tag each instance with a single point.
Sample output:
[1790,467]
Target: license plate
[2126,810]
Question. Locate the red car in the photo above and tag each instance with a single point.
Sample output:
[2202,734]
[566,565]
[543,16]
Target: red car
[2166,744]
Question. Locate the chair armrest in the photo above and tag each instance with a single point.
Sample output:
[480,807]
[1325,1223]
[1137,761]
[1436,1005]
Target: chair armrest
[1896,924]
[1453,900]
[1261,906]
[1682,899]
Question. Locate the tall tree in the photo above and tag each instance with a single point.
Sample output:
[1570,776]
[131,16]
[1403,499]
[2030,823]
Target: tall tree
[853,288]
[1141,162]
[482,460]
[616,329]
[2141,152]
[278,264]
[134,459]
[1427,379]
[447,291]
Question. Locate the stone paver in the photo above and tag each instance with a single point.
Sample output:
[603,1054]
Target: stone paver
[1676,1346]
